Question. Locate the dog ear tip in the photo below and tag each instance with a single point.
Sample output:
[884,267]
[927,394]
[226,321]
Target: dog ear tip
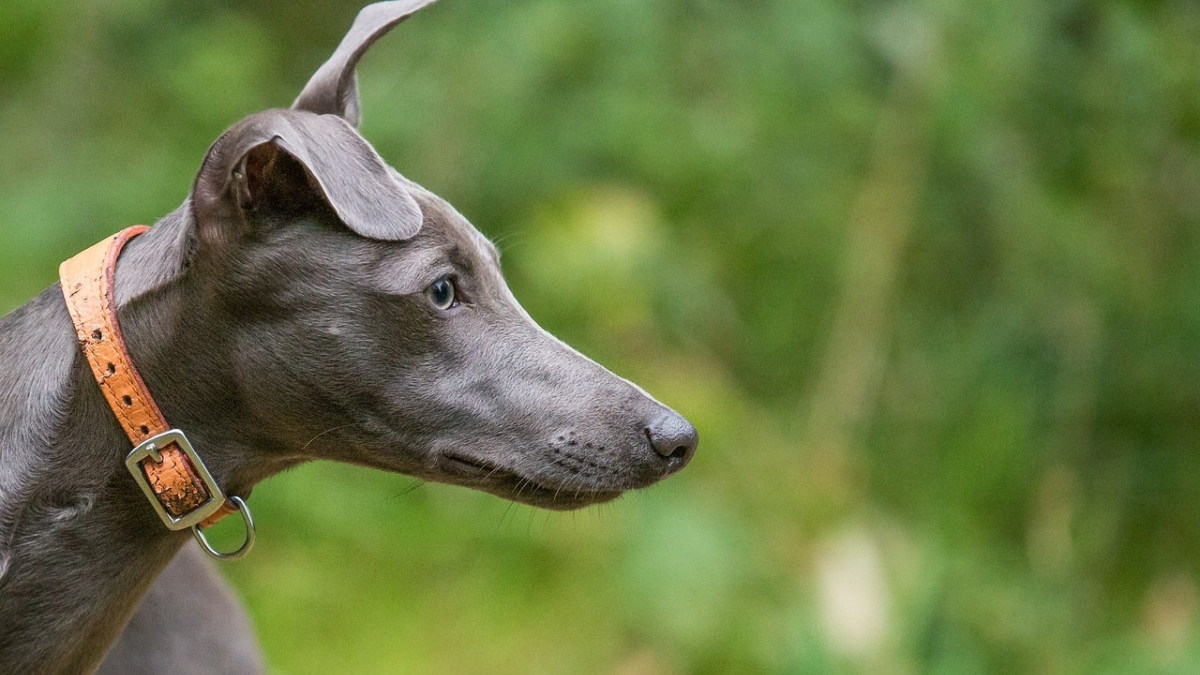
[333,88]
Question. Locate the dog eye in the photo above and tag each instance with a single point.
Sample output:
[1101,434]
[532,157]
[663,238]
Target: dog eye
[442,293]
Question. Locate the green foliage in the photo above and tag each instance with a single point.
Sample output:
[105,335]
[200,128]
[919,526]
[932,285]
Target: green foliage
[924,275]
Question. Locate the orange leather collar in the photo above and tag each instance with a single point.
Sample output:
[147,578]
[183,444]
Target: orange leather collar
[184,492]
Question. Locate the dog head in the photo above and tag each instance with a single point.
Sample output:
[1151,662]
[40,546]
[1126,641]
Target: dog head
[369,322]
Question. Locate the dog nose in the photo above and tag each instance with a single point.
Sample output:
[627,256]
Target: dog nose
[674,438]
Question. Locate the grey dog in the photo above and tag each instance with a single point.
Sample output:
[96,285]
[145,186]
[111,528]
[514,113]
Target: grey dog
[305,302]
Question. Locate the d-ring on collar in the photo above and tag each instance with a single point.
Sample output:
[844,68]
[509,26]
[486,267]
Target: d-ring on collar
[163,463]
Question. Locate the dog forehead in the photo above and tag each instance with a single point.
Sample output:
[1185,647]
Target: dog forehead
[450,227]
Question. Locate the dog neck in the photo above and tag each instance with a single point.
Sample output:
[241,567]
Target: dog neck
[79,544]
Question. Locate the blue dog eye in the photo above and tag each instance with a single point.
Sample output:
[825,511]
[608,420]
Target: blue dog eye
[442,293]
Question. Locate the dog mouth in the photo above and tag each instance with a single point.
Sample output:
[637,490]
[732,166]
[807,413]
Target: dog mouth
[508,484]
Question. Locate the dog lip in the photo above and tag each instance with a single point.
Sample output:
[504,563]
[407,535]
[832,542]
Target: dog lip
[560,499]
[556,497]
[473,468]
[520,489]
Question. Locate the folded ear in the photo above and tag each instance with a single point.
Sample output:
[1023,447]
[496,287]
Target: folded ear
[333,89]
[283,159]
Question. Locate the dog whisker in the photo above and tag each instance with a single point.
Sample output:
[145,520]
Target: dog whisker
[327,431]
[504,515]
[418,483]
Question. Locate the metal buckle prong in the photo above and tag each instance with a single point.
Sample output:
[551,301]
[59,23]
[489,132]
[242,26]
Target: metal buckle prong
[155,455]
[151,448]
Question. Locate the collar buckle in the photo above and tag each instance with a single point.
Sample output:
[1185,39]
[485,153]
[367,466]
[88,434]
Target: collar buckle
[151,448]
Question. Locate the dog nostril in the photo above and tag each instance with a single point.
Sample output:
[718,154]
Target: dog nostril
[674,438]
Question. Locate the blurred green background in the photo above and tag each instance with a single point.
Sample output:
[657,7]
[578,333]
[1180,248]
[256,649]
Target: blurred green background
[926,275]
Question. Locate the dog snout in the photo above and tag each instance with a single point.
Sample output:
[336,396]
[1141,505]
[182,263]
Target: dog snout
[674,438]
